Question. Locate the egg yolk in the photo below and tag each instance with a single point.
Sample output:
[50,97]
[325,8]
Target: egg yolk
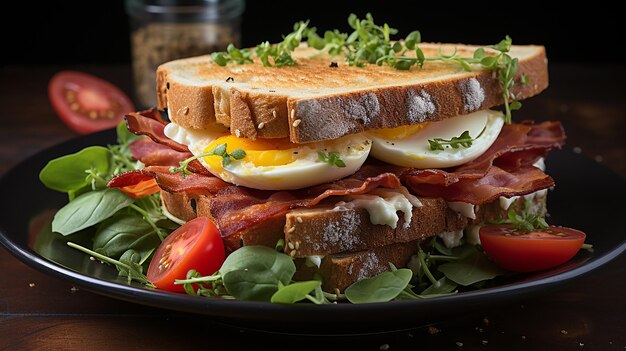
[399,132]
[260,152]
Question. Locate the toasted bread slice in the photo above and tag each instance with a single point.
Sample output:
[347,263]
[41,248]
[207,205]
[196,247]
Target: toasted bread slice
[324,231]
[341,270]
[312,101]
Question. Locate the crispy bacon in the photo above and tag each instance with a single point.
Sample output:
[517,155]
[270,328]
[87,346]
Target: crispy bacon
[155,154]
[497,182]
[236,208]
[170,182]
[517,147]
[149,123]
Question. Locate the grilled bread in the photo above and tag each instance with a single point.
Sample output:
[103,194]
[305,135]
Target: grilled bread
[316,100]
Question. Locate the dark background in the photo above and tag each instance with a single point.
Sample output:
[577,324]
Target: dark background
[88,32]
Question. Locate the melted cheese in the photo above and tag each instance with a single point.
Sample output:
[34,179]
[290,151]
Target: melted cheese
[464,208]
[383,205]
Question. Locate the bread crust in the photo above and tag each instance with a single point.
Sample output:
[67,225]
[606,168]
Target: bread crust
[324,231]
[268,102]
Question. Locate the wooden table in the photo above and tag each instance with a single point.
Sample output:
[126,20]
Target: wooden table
[40,312]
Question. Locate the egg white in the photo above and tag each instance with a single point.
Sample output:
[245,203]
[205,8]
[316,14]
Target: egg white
[307,170]
[414,151]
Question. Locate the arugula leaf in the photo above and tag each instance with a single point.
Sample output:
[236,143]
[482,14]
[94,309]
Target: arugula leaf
[89,209]
[381,288]
[255,272]
[70,172]
[124,232]
[295,292]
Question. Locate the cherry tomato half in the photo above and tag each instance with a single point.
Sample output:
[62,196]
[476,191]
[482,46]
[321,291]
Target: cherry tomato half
[86,103]
[530,251]
[195,245]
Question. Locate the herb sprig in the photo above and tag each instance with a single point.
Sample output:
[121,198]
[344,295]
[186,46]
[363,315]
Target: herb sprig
[526,220]
[332,158]
[219,150]
[464,140]
[371,43]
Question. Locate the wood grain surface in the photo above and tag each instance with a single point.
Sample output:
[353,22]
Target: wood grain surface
[38,312]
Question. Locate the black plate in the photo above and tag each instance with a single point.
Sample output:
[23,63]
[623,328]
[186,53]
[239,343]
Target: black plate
[587,197]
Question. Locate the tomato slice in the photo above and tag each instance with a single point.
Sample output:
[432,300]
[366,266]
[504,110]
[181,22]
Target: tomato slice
[86,103]
[195,245]
[530,251]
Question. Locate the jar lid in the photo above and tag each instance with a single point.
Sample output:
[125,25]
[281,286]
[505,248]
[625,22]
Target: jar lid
[206,9]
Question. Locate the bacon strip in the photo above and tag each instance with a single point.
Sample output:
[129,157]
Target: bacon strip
[503,170]
[170,182]
[497,182]
[516,146]
[154,154]
[236,208]
[149,123]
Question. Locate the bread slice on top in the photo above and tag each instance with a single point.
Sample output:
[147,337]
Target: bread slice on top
[314,100]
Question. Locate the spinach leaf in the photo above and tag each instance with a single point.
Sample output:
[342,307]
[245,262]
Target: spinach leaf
[295,292]
[123,232]
[381,288]
[254,272]
[89,209]
[442,286]
[68,173]
[472,269]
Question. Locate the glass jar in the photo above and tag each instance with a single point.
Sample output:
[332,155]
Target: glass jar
[165,30]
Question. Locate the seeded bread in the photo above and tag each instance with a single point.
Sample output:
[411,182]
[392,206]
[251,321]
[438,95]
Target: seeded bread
[312,101]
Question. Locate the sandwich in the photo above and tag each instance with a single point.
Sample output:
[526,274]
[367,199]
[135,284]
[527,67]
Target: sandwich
[350,159]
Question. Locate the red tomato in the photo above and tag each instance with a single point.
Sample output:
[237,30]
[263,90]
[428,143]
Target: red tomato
[86,103]
[530,251]
[195,245]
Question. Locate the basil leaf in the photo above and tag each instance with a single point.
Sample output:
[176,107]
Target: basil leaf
[253,272]
[295,292]
[381,288]
[123,232]
[67,173]
[89,209]
[475,268]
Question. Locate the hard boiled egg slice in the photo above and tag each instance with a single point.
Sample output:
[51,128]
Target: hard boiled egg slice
[409,147]
[277,164]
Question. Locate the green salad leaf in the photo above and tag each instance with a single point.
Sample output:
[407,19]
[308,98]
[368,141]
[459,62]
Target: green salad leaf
[71,172]
[295,292]
[256,272]
[381,288]
[89,209]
